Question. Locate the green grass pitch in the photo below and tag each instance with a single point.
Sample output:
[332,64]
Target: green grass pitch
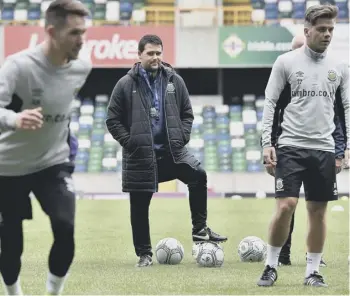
[105,259]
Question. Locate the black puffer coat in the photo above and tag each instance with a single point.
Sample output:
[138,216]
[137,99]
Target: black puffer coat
[129,122]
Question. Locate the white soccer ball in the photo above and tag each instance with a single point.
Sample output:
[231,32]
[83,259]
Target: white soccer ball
[196,247]
[169,251]
[252,249]
[210,255]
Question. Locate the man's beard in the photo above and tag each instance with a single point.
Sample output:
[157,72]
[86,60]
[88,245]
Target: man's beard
[152,70]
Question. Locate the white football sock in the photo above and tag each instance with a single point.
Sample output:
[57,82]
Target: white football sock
[273,254]
[312,263]
[14,289]
[54,284]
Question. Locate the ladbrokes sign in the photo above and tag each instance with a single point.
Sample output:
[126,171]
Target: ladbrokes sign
[106,47]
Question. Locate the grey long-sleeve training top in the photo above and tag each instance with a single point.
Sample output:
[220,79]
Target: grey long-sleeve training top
[308,120]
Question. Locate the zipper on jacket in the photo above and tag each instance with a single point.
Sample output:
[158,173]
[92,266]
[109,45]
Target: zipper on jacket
[154,158]
[153,153]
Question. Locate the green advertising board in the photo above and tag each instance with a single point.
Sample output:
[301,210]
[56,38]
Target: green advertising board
[251,46]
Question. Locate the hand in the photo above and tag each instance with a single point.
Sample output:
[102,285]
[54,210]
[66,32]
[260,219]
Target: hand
[269,155]
[338,165]
[346,159]
[270,169]
[30,119]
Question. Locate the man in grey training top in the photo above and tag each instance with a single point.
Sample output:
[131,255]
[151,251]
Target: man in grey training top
[338,136]
[37,87]
[305,148]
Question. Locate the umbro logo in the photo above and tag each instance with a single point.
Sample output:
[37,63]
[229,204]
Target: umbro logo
[36,102]
[37,92]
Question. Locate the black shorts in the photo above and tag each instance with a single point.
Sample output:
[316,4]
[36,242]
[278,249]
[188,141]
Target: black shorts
[53,187]
[314,168]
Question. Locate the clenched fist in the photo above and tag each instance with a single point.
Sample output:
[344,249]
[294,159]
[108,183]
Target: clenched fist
[269,155]
[30,119]
[346,159]
[338,165]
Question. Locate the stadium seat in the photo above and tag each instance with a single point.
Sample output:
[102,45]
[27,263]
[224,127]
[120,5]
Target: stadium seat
[34,12]
[139,13]
[310,3]
[236,113]
[343,14]
[196,147]
[271,10]
[239,162]
[112,154]
[299,7]
[90,5]
[139,9]
[95,159]
[197,128]
[259,105]
[7,11]
[223,138]
[258,16]
[258,4]
[21,11]
[285,9]
[332,2]
[126,8]
[253,160]
[113,11]
[99,13]
[83,135]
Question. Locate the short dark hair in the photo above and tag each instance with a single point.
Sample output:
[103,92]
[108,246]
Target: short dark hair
[58,11]
[149,39]
[313,13]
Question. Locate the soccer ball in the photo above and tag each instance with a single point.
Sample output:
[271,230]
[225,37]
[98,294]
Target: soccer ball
[252,249]
[210,255]
[169,251]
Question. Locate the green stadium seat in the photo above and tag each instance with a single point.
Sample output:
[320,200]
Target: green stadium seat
[99,13]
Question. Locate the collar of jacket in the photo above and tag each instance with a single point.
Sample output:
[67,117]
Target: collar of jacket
[165,68]
[313,54]
[148,76]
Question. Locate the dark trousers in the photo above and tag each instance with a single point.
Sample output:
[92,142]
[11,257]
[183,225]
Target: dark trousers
[52,188]
[196,180]
[285,252]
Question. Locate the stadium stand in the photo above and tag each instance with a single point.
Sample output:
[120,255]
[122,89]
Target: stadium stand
[224,138]
[160,12]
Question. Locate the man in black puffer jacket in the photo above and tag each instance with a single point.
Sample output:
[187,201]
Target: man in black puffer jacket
[150,115]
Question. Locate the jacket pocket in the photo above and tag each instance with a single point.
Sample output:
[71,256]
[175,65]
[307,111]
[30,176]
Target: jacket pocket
[182,131]
[131,147]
